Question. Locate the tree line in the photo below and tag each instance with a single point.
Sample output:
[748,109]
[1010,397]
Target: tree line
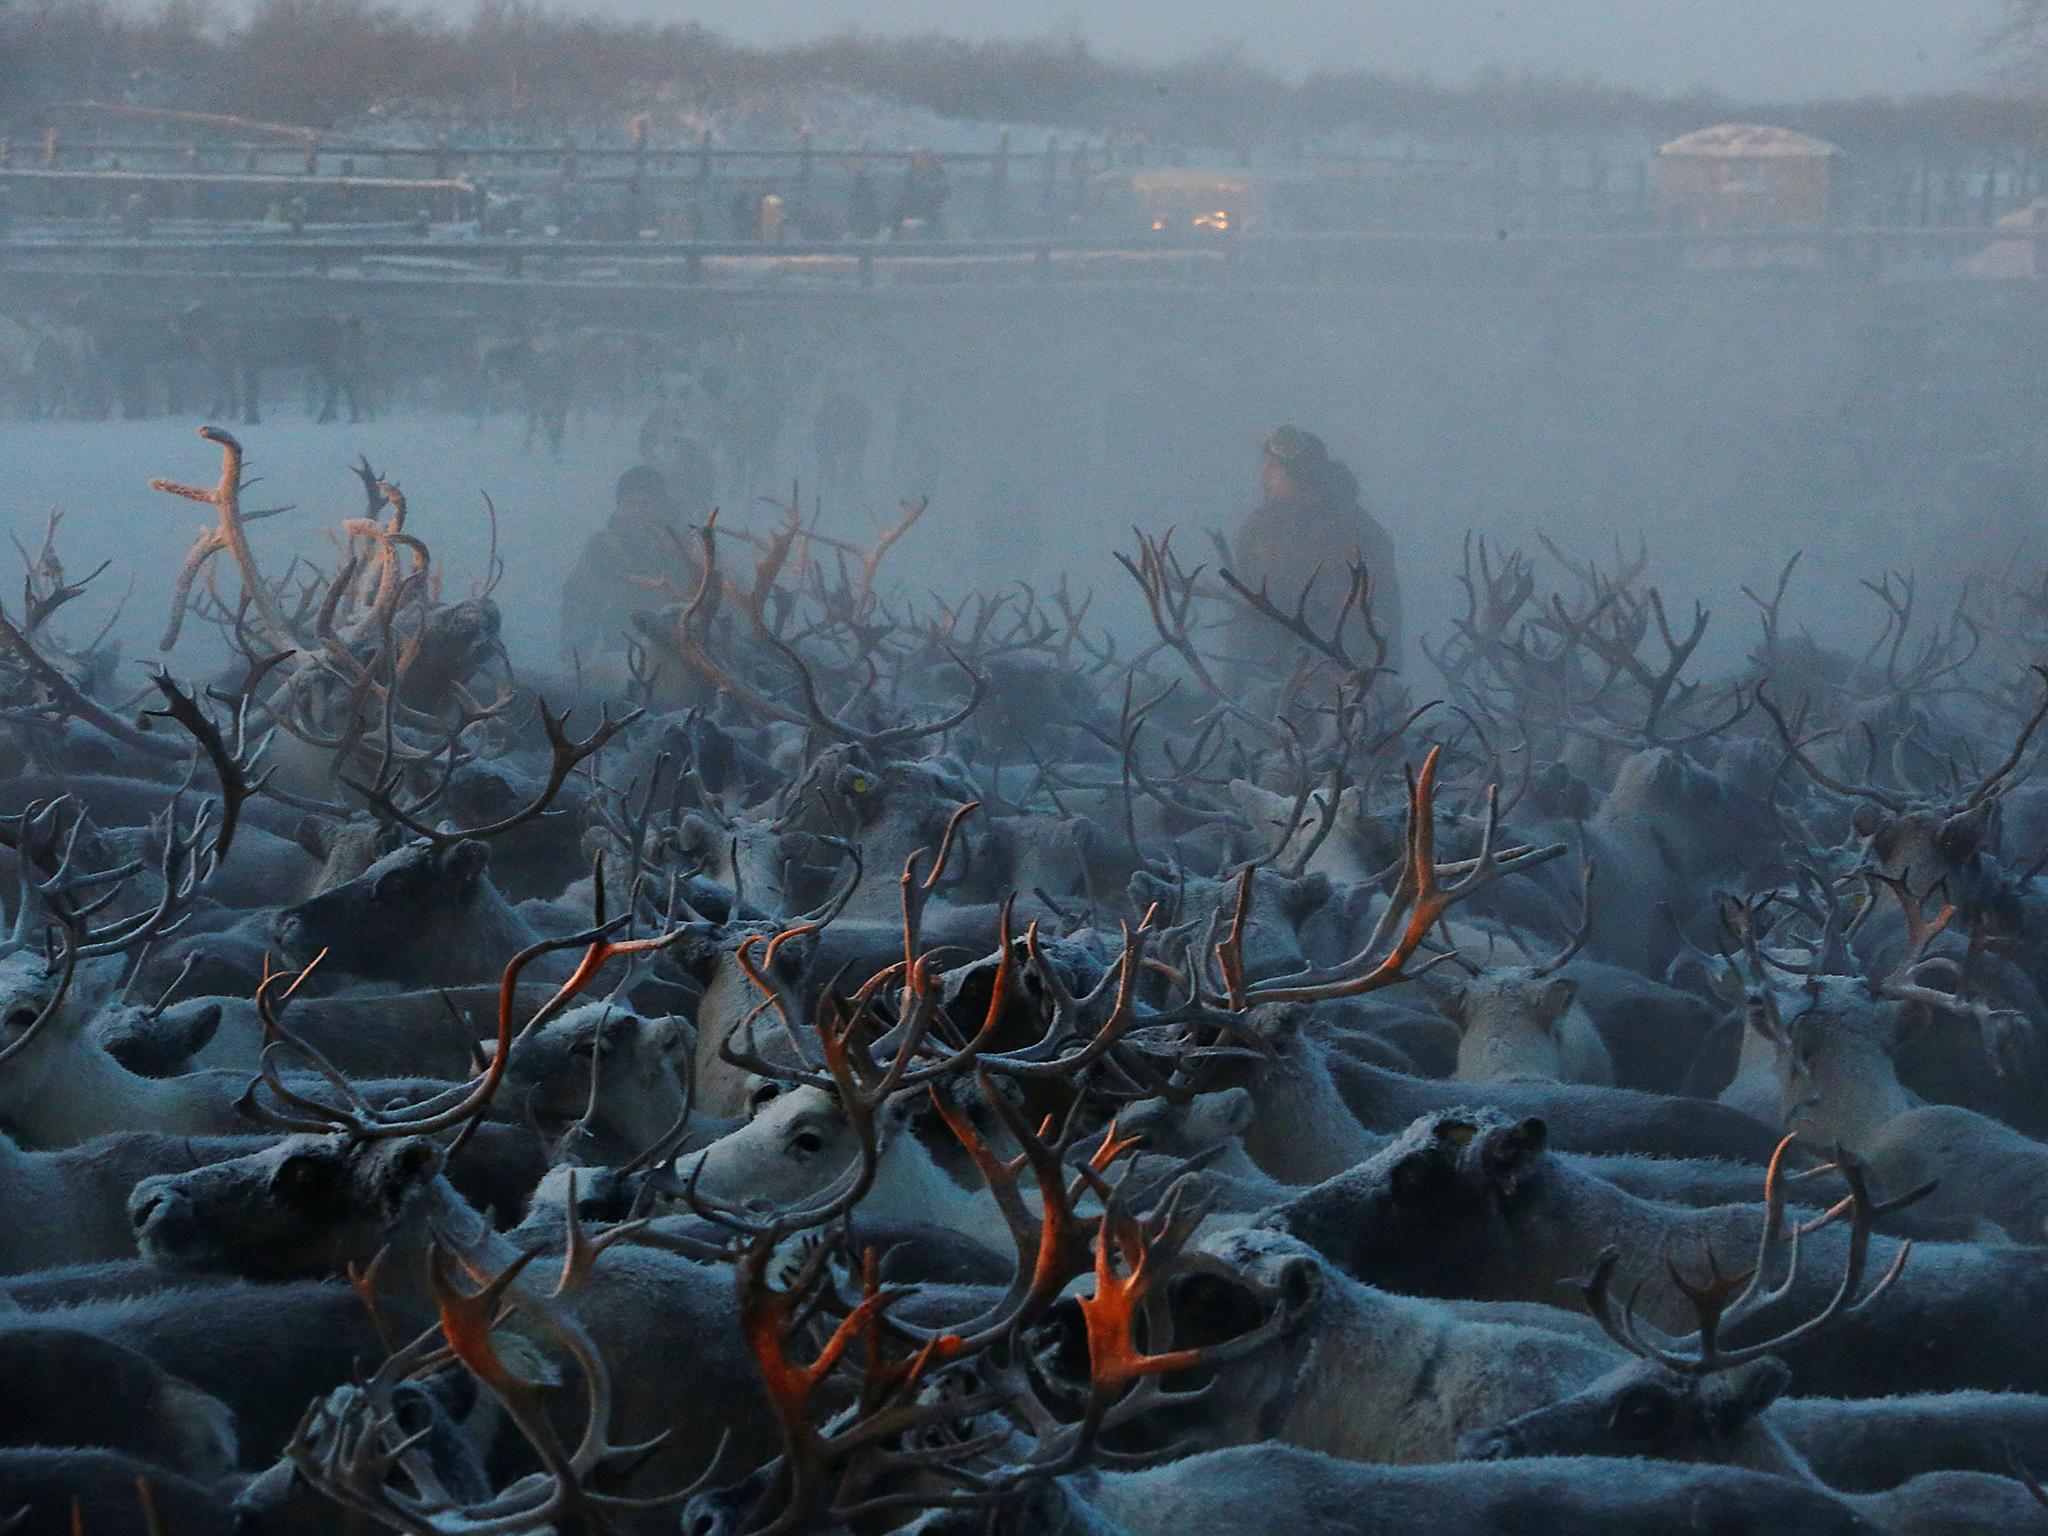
[517,67]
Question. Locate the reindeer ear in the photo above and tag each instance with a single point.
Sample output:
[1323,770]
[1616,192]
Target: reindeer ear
[1305,895]
[1963,834]
[1733,1398]
[695,834]
[1301,1289]
[1508,1152]
[396,884]
[1420,1177]
[198,1027]
[1144,888]
[525,1359]
[1554,998]
[1762,1016]
[698,952]
[1867,819]
[468,860]
[414,1156]
[315,834]
[1453,1004]
[411,1161]
[1231,1109]
[1216,1115]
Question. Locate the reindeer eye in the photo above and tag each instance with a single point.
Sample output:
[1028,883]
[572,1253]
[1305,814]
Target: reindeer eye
[807,1143]
[21,1018]
[304,1180]
[1638,1411]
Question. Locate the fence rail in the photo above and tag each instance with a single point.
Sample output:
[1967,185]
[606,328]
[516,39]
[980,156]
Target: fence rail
[685,189]
[1335,260]
[1530,181]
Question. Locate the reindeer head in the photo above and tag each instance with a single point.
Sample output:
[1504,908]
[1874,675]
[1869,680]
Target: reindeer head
[1643,1409]
[1510,1021]
[604,1070]
[1698,1397]
[309,1206]
[394,918]
[36,1027]
[798,1144]
[1947,836]
[1439,1198]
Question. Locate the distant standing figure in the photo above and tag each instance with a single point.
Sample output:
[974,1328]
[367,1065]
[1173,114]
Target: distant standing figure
[863,207]
[924,194]
[644,538]
[1310,524]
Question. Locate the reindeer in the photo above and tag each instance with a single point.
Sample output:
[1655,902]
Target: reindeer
[51,1492]
[69,1388]
[71,1206]
[1474,1205]
[1522,1023]
[898,1026]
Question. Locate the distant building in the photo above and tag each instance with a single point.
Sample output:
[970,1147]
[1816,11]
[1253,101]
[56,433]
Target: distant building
[1175,200]
[1744,176]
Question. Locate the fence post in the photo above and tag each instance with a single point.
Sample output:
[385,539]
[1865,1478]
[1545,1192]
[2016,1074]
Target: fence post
[1049,175]
[701,194]
[636,187]
[50,147]
[999,186]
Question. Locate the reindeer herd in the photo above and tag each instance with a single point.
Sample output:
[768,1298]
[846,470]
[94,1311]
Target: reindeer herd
[846,1063]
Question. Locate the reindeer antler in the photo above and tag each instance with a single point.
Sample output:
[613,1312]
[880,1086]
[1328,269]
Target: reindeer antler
[1723,1303]
[230,535]
[1425,893]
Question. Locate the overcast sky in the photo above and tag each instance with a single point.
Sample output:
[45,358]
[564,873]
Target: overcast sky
[1767,48]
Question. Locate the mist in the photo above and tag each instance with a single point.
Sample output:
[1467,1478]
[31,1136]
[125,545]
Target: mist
[967,770]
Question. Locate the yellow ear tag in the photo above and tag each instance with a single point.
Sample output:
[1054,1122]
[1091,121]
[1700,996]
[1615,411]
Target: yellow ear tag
[1457,1132]
[860,784]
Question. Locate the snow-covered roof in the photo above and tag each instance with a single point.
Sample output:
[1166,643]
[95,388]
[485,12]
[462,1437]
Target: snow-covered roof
[1744,141]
